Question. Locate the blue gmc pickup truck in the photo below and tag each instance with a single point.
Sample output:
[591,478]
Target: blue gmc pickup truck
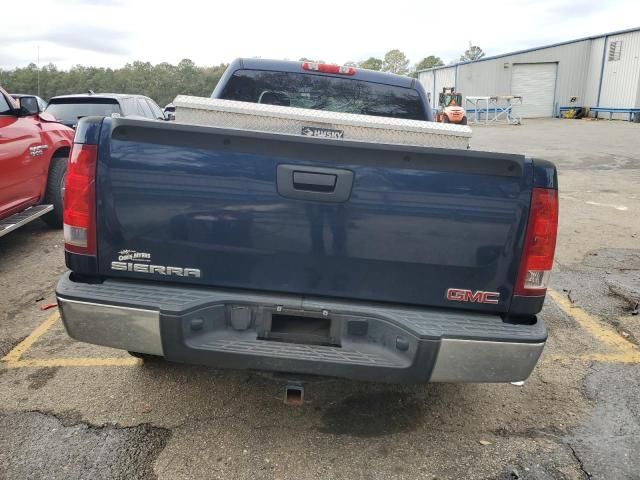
[236,248]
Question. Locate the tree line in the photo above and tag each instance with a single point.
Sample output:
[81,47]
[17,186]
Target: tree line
[395,61]
[164,81]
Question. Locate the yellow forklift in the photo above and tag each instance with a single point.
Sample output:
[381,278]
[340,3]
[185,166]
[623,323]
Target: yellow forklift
[449,109]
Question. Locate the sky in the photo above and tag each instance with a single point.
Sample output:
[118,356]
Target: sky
[110,33]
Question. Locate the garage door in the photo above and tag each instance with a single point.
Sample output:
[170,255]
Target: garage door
[536,83]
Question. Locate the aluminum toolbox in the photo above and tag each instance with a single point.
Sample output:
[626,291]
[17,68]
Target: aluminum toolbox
[318,123]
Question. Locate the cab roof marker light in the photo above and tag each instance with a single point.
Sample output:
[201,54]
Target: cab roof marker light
[327,68]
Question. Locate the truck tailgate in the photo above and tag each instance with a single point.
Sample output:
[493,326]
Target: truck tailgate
[308,216]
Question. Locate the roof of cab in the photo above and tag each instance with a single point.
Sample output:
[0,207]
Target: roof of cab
[296,67]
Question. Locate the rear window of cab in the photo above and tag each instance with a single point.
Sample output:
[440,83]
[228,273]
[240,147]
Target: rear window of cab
[320,92]
[71,110]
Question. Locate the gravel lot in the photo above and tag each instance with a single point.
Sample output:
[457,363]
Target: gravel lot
[578,416]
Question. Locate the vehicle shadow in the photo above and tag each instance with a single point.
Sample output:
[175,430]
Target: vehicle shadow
[331,406]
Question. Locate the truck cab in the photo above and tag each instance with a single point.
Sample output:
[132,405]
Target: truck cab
[33,153]
[319,86]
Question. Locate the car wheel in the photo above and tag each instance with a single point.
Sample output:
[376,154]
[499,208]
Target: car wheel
[463,121]
[54,192]
[445,119]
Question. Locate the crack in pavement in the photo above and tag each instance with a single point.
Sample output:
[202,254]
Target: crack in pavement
[579,460]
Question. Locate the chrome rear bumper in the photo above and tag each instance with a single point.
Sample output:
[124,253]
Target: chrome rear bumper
[127,328]
[373,342]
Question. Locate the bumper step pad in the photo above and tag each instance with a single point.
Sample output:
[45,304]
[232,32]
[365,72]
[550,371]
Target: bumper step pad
[422,322]
[291,351]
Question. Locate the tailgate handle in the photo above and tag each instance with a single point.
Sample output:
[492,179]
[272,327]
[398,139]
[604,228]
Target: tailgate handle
[314,183]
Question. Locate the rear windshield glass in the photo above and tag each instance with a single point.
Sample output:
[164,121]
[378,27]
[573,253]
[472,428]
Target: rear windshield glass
[71,110]
[319,92]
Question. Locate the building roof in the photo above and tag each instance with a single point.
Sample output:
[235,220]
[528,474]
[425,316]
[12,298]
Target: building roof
[518,52]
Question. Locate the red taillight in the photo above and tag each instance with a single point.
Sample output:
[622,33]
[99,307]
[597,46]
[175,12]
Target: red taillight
[539,244]
[326,68]
[79,200]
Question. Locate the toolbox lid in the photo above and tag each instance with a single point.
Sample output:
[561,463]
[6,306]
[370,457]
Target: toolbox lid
[319,123]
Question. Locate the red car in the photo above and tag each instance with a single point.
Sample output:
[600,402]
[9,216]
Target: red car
[34,149]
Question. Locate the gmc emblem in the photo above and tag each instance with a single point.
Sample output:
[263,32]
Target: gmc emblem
[462,295]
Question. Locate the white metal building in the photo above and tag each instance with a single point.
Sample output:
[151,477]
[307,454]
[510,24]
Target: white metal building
[601,71]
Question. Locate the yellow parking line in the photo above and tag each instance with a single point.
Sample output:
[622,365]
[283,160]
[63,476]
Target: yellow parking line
[623,357]
[17,351]
[13,358]
[76,362]
[624,351]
